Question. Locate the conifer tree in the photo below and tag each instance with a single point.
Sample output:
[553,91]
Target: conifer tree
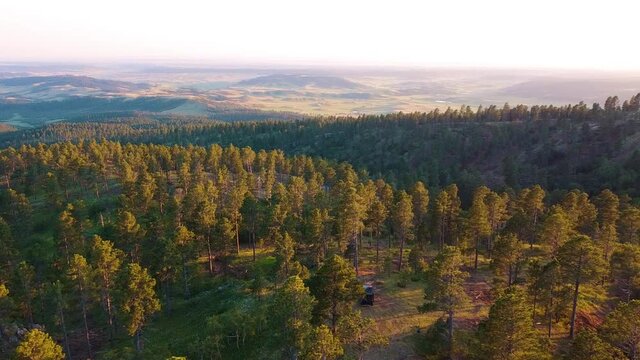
[335,287]
[81,274]
[38,345]
[444,290]
[625,269]
[629,225]
[68,234]
[508,333]
[580,262]
[403,222]
[183,240]
[479,220]
[139,301]
[107,261]
[508,256]
[291,316]
[26,289]
[420,206]
[378,215]
[130,234]
[588,345]
[555,230]
[323,345]
[319,233]
[497,214]
[622,328]
[359,333]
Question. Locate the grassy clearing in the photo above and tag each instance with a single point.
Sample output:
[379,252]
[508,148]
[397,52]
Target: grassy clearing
[395,309]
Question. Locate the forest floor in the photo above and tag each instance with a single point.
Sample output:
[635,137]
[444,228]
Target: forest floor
[395,308]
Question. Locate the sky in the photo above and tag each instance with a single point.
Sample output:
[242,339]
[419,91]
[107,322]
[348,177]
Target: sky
[495,33]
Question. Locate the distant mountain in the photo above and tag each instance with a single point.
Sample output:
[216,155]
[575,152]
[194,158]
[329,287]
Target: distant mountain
[573,90]
[287,81]
[43,83]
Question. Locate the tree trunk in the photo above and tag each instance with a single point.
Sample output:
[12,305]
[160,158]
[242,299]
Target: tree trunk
[377,249]
[185,278]
[86,323]
[139,341]
[210,255]
[355,259]
[475,261]
[237,238]
[401,253]
[67,350]
[109,314]
[549,316]
[253,244]
[576,291]
[450,332]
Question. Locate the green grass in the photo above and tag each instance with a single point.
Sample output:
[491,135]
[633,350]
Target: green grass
[171,334]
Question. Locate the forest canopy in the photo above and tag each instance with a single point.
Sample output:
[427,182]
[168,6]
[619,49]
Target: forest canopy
[518,228]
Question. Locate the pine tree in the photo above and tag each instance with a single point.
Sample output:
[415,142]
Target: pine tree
[508,257]
[183,240]
[508,333]
[234,200]
[588,345]
[378,214]
[290,314]
[622,328]
[26,289]
[607,237]
[287,265]
[359,333]
[81,273]
[107,261]
[444,290]
[629,225]
[580,211]
[319,232]
[548,288]
[38,345]
[68,234]
[403,222]
[336,287]
[130,234]
[323,345]
[497,215]
[625,269]
[580,262]
[58,289]
[420,206]
[445,216]
[531,204]
[555,230]
[478,221]
[608,208]
[139,301]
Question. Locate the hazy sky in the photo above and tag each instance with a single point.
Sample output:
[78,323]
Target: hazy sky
[520,33]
